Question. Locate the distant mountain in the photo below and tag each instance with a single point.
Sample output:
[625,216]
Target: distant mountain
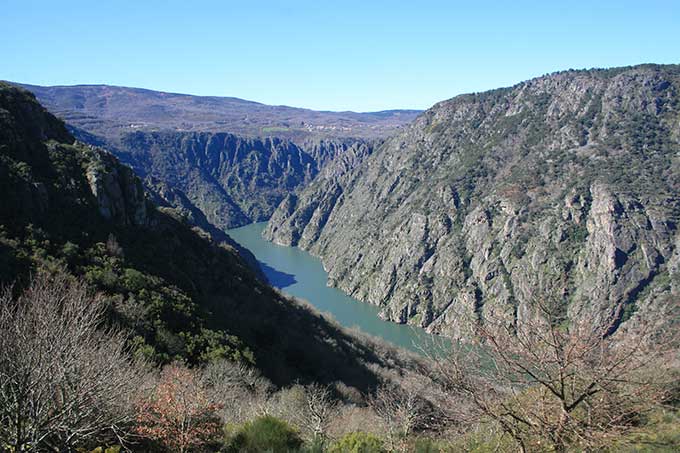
[234,160]
[563,187]
[112,111]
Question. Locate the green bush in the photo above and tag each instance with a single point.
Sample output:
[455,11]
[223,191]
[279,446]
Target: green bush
[660,434]
[425,445]
[314,446]
[265,434]
[114,449]
[358,442]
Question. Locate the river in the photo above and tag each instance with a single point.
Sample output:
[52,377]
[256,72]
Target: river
[302,275]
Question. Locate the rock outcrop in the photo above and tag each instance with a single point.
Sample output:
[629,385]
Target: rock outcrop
[119,192]
[565,187]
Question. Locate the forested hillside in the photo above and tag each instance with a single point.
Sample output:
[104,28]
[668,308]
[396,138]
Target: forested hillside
[183,294]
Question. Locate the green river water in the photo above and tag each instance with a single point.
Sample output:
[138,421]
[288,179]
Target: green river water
[300,274]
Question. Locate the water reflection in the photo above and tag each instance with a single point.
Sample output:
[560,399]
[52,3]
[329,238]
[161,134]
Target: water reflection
[276,277]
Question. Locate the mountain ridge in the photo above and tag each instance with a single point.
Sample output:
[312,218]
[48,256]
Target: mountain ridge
[482,197]
[110,110]
[28,86]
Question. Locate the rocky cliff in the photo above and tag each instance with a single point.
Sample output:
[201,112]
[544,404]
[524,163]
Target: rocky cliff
[232,180]
[566,186]
[299,218]
[119,192]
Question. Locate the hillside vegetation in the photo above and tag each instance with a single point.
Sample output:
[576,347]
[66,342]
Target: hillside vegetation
[69,207]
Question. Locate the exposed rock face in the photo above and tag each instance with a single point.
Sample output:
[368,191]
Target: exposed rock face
[119,192]
[566,186]
[300,218]
[232,180]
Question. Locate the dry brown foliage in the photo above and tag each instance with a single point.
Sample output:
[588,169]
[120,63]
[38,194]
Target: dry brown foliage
[178,414]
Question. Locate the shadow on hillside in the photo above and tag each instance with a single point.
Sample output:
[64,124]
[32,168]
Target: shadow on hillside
[276,277]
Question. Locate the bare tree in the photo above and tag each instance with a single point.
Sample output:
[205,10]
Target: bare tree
[241,391]
[320,408]
[64,380]
[352,418]
[311,408]
[402,409]
[552,382]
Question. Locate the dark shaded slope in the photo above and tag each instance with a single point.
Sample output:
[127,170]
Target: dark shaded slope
[183,295]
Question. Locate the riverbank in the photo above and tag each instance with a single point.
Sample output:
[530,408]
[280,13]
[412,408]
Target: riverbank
[301,275]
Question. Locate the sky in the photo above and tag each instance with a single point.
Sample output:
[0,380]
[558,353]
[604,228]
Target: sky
[327,55]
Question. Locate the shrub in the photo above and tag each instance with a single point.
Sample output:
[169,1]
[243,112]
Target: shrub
[358,442]
[660,434]
[179,415]
[424,445]
[265,434]
[114,449]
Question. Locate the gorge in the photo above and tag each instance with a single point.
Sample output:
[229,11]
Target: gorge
[340,227]
[534,225]
[483,203]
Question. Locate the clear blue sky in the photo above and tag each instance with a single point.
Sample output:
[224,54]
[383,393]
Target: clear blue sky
[359,55]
